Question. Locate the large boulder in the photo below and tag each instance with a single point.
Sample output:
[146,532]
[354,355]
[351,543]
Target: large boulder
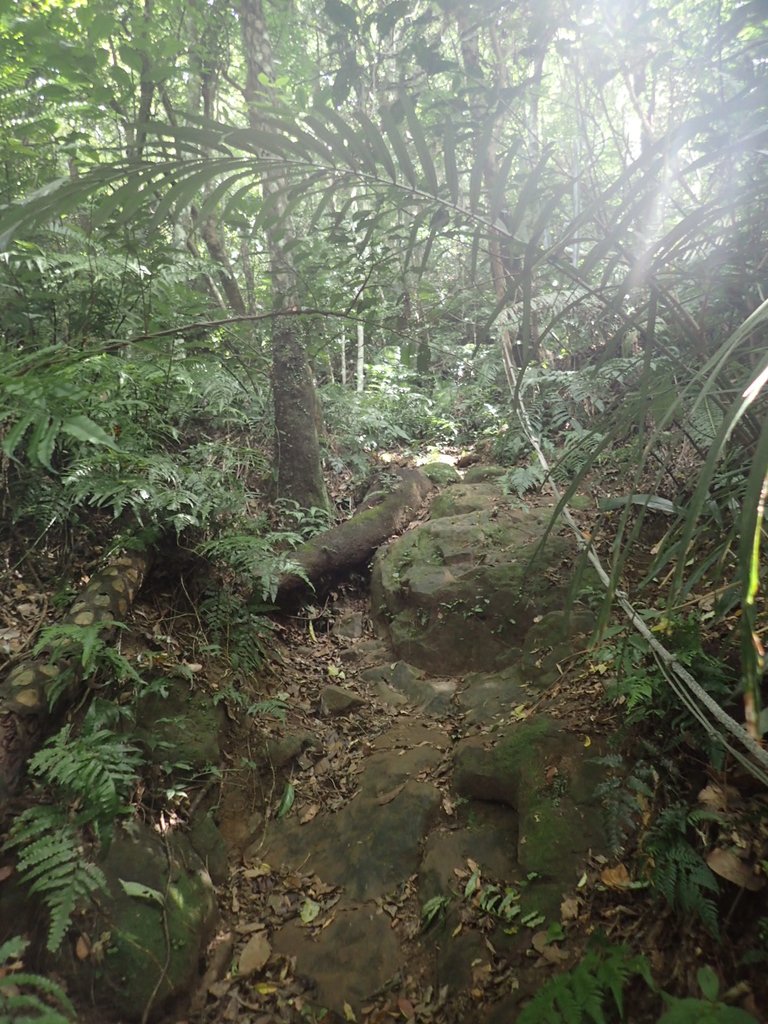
[154,922]
[461,592]
[549,777]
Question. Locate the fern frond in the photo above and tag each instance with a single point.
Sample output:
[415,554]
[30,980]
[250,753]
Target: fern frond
[52,865]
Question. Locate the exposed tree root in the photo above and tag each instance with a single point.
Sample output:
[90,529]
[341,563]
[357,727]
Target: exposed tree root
[25,715]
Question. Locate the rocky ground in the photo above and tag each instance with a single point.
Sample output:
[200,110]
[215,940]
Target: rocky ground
[403,818]
[432,831]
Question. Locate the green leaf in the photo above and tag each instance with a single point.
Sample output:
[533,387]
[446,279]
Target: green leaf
[139,891]
[708,983]
[82,428]
[398,145]
[420,142]
[309,911]
[15,434]
[472,884]
[653,502]
[289,795]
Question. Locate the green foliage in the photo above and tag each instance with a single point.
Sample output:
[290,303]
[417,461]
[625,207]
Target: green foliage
[434,910]
[95,771]
[123,434]
[523,478]
[501,902]
[89,776]
[625,794]
[64,643]
[579,996]
[677,870]
[27,998]
[234,630]
[703,1011]
[635,680]
[52,863]
[257,560]
[307,522]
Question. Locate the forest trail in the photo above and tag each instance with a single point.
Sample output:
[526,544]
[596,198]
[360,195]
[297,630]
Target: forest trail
[388,883]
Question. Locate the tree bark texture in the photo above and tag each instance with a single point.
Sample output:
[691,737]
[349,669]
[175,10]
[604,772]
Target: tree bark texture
[25,715]
[351,545]
[298,467]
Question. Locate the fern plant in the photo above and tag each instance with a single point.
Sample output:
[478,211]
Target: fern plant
[257,560]
[52,864]
[703,1011]
[64,643]
[625,795]
[677,870]
[580,995]
[27,998]
[90,777]
[234,630]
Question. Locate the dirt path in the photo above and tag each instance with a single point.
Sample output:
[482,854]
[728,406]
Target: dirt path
[388,882]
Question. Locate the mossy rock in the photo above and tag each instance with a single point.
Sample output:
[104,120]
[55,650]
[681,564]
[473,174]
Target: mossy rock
[208,843]
[183,728]
[442,474]
[555,778]
[481,474]
[459,593]
[549,777]
[463,498]
[155,931]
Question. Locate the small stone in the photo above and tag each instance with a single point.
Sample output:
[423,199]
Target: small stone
[387,695]
[349,626]
[281,750]
[334,700]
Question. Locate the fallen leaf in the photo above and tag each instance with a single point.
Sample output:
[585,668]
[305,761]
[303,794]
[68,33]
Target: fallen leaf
[542,945]
[448,806]
[5,872]
[587,741]
[255,954]
[718,798]
[569,909]
[732,868]
[405,1006]
[83,947]
[309,911]
[481,973]
[387,798]
[616,878]
[308,814]
[349,1013]
[259,871]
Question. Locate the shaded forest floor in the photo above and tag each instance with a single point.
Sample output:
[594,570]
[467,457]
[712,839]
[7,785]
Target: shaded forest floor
[298,757]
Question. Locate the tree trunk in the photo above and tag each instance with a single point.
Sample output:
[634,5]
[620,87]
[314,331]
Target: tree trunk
[298,466]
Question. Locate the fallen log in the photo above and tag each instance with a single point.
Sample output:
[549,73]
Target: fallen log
[336,552]
[25,714]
